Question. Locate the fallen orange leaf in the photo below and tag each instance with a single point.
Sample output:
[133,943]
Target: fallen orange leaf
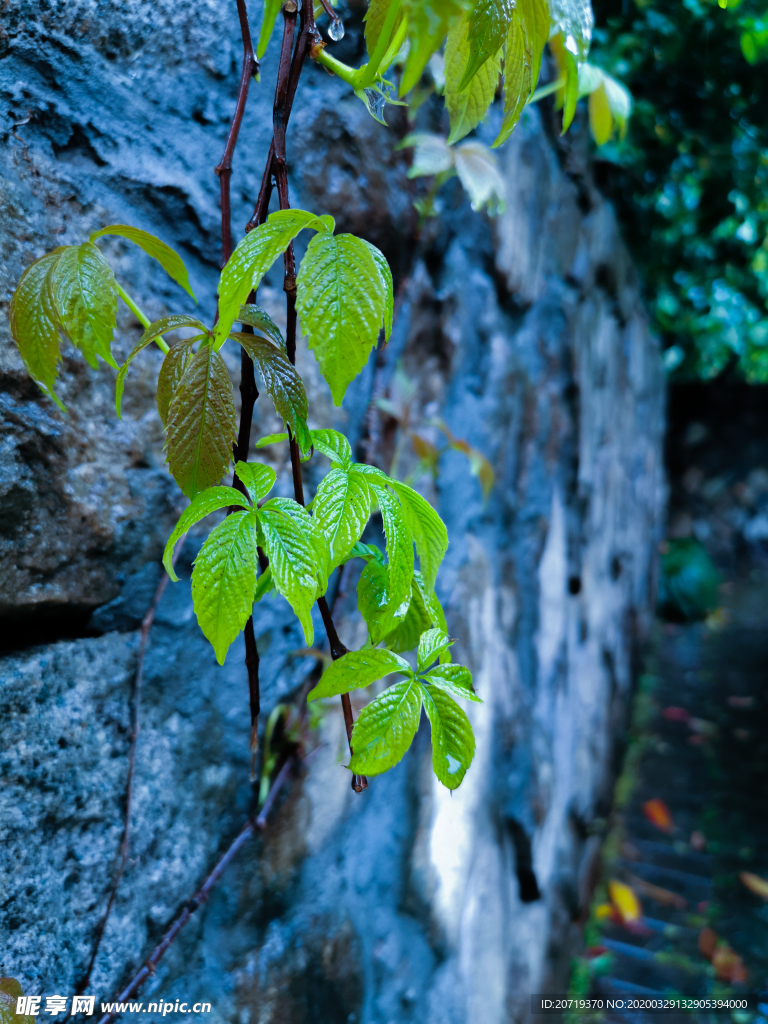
[728,965]
[657,812]
[624,900]
[755,884]
[707,943]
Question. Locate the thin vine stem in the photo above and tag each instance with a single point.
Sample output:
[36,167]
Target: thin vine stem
[143,319]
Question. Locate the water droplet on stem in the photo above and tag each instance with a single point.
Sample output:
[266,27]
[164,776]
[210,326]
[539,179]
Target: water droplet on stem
[336,30]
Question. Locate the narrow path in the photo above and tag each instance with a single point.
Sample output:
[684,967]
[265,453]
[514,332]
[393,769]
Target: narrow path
[680,907]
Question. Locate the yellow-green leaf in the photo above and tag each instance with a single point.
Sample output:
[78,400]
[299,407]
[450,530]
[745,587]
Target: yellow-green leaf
[600,120]
[385,728]
[155,330]
[33,323]
[85,297]
[356,670]
[167,257]
[453,742]
[210,500]
[518,65]
[467,107]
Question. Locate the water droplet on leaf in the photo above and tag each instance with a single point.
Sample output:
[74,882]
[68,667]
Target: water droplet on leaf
[336,30]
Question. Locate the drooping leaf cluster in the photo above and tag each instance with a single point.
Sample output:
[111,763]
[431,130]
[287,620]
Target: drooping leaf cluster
[691,180]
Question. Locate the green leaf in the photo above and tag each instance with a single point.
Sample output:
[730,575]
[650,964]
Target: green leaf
[85,296]
[33,323]
[453,679]
[385,728]
[466,107]
[385,273]
[428,22]
[292,559]
[426,528]
[168,259]
[399,550]
[534,17]
[264,585]
[419,618]
[342,507]
[488,27]
[367,552]
[283,384]
[271,9]
[155,330]
[382,16]
[356,670]
[431,602]
[224,580]
[518,65]
[575,20]
[268,439]
[202,423]
[453,742]
[172,370]
[342,302]
[432,644]
[373,601]
[568,95]
[262,321]
[258,479]
[210,500]
[311,528]
[479,173]
[253,257]
[334,445]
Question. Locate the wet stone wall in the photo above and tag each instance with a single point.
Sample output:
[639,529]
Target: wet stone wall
[526,337]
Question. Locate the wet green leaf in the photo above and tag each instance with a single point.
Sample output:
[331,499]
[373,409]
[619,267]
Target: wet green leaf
[85,297]
[258,479]
[489,23]
[432,644]
[453,742]
[467,107]
[385,728]
[342,507]
[155,330]
[33,323]
[168,258]
[356,670]
[453,679]
[210,500]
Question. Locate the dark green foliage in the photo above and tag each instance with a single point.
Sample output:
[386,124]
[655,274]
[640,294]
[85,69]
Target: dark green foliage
[688,587]
[690,180]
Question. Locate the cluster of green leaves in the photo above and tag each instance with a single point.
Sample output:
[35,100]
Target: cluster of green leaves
[691,180]
[481,39]
[72,292]
[386,727]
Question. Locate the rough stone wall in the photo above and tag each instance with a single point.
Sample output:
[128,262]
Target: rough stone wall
[527,338]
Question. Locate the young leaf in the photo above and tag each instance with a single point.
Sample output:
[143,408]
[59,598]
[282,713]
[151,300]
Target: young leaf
[342,301]
[385,728]
[453,679]
[284,386]
[479,173]
[311,529]
[385,273]
[488,27]
[33,323]
[600,120]
[162,326]
[271,9]
[168,259]
[268,439]
[405,636]
[568,95]
[292,560]
[426,528]
[431,645]
[428,22]
[253,257]
[431,154]
[356,670]
[334,445]
[258,479]
[518,65]
[85,296]
[575,20]
[367,552]
[373,601]
[534,17]
[453,742]
[202,423]
[399,550]
[264,585]
[224,581]
[466,107]
[171,371]
[210,500]
[382,16]
[342,507]
[262,321]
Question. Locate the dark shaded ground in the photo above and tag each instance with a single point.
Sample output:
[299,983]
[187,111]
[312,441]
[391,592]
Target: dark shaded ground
[699,739]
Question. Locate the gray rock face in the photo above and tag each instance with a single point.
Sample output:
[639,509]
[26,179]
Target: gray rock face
[526,338]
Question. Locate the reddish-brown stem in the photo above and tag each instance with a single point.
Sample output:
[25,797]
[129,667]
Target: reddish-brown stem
[224,169]
[202,894]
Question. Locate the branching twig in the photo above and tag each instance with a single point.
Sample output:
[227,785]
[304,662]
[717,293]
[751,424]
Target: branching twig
[125,842]
[202,894]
